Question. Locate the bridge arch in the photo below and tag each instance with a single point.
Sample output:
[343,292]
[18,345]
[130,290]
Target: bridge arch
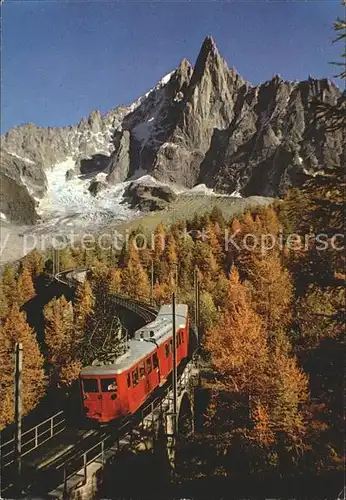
[185,425]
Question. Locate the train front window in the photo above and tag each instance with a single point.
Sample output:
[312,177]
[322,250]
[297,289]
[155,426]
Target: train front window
[90,385]
[108,385]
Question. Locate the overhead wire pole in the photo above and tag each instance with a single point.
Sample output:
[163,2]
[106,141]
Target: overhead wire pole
[174,371]
[152,282]
[198,304]
[57,261]
[53,261]
[18,406]
[197,300]
[56,266]
[195,287]
[111,255]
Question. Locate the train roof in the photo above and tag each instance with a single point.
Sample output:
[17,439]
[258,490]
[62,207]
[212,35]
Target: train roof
[137,350]
[143,343]
[161,327]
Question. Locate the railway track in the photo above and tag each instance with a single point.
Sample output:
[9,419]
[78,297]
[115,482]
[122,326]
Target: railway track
[50,472]
[48,464]
[73,277]
[39,466]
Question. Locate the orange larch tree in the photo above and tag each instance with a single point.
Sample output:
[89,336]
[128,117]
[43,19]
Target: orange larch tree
[25,285]
[63,341]
[3,303]
[206,263]
[9,284]
[214,236]
[271,288]
[34,261]
[114,280]
[134,278]
[238,344]
[269,220]
[289,390]
[16,329]
[158,248]
[83,306]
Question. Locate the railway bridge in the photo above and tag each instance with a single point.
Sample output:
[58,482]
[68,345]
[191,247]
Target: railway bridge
[60,462]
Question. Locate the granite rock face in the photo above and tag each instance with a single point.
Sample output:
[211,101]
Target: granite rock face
[22,181]
[148,197]
[70,174]
[15,201]
[199,125]
[275,142]
[96,187]
[118,165]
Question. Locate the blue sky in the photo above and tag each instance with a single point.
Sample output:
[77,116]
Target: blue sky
[62,59]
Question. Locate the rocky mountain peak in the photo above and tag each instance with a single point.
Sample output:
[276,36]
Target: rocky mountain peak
[209,60]
[199,124]
[209,46]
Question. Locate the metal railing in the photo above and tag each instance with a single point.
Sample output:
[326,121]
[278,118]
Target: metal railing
[33,438]
[145,311]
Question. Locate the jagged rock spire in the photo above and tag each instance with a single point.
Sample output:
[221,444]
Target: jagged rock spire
[204,124]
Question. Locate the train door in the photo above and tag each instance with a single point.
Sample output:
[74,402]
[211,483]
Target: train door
[171,355]
[135,391]
[156,370]
[148,372]
[180,346]
[152,372]
[91,398]
[143,382]
[109,392]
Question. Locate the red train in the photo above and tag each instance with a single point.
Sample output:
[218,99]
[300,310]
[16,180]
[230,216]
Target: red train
[121,387]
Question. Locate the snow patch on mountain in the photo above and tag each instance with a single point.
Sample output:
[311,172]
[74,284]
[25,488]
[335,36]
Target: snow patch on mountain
[161,83]
[149,180]
[27,160]
[70,202]
[202,189]
[169,145]
[236,194]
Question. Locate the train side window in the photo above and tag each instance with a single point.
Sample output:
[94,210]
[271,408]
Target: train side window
[135,377]
[129,379]
[141,371]
[155,360]
[149,365]
[167,349]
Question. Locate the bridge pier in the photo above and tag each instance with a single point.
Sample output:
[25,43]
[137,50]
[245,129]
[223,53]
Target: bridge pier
[185,423]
